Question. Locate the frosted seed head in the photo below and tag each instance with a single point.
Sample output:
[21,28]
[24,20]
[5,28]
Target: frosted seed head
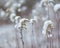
[56,7]
[22,23]
[12,17]
[17,19]
[35,19]
[46,2]
[32,21]
[48,26]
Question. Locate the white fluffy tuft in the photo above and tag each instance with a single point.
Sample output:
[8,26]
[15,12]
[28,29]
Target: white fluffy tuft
[46,23]
[56,7]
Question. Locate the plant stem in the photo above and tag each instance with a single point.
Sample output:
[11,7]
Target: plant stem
[17,41]
[32,34]
[22,37]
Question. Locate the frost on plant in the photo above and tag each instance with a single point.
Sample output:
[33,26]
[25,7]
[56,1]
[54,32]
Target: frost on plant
[47,28]
[22,23]
[17,19]
[56,7]
[12,17]
[30,18]
[35,19]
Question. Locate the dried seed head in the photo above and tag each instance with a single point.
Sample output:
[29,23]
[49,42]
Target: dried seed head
[46,2]
[56,7]
[12,17]
[35,19]
[23,20]
[17,19]
[48,26]
[22,23]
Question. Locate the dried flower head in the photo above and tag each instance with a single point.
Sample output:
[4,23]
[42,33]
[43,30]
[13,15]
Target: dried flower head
[48,26]
[46,2]
[56,7]
[12,17]
[17,19]
[22,23]
[34,19]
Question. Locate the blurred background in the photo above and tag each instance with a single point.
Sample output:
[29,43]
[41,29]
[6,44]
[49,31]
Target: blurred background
[10,36]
